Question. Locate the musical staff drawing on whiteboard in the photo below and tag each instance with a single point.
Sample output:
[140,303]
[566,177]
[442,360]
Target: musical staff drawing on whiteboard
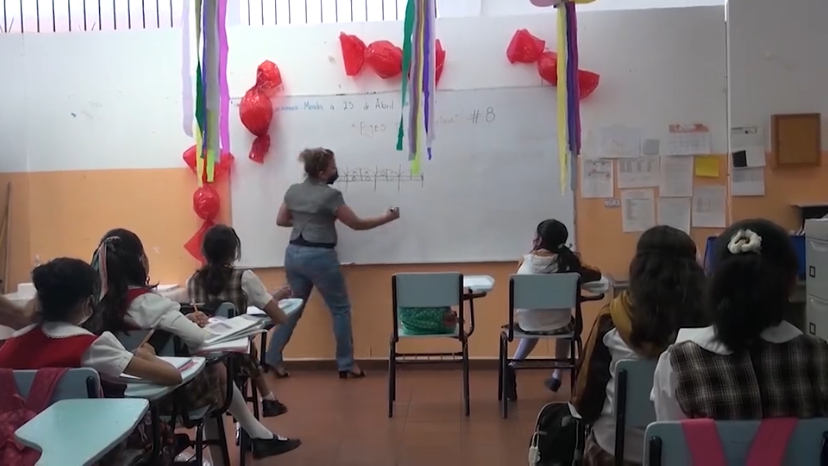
[378,176]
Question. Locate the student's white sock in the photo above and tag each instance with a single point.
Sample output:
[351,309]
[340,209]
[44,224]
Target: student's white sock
[269,397]
[556,374]
[238,408]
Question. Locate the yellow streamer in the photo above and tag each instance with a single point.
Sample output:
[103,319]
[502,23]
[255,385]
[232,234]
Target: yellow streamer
[562,127]
[418,155]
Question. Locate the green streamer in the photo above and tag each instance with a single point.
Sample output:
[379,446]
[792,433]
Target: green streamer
[408,31]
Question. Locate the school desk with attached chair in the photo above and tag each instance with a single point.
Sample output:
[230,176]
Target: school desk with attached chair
[79,432]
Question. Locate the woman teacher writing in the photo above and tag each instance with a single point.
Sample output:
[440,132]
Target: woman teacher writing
[312,208]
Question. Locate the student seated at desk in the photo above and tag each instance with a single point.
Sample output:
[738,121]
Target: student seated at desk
[65,291]
[219,281]
[750,364]
[549,255]
[129,303]
[666,285]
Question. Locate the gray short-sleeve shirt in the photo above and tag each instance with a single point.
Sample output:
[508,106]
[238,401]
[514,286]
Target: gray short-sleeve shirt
[313,205]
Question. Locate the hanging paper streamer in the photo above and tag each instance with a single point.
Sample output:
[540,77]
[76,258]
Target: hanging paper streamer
[224,90]
[419,79]
[201,96]
[186,71]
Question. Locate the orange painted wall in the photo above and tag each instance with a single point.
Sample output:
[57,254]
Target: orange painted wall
[65,214]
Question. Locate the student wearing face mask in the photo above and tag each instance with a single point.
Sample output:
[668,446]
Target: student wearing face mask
[311,208]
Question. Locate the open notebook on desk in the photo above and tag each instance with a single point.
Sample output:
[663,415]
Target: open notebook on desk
[182,364]
[220,329]
[288,306]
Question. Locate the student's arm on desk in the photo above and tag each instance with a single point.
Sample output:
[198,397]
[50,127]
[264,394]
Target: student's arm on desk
[109,357]
[284,218]
[157,312]
[258,296]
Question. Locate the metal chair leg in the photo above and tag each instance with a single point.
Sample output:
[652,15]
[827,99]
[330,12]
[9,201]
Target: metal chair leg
[199,443]
[222,434]
[504,403]
[500,355]
[573,372]
[466,406]
[392,378]
[263,351]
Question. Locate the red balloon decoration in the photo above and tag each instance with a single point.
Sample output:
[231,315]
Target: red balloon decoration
[353,53]
[381,56]
[206,203]
[440,59]
[223,165]
[526,48]
[256,109]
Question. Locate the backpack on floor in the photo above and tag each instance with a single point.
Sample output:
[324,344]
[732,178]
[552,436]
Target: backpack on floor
[556,438]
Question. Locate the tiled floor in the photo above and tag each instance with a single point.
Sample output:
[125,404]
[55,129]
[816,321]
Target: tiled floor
[345,423]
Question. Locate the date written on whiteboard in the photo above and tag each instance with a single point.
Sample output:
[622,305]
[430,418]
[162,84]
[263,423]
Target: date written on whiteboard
[378,104]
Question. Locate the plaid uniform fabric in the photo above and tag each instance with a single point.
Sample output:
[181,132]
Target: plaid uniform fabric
[594,455]
[787,379]
[234,294]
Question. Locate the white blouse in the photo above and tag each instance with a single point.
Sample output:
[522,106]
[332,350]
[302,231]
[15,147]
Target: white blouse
[106,354]
[257,294]
[664,379]
[153,311]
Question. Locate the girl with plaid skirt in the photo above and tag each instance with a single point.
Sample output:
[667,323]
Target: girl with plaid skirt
[666,285]
[129,303]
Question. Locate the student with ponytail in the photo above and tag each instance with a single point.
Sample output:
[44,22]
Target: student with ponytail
[751,363]
[219,281]
[665,294]
[549,254]
[129,302]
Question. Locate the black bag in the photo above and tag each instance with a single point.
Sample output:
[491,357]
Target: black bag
[557,437]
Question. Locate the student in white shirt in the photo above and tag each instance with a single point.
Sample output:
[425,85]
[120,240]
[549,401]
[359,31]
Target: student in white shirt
[127,302]
[666,286]
[549,254]
[219,281]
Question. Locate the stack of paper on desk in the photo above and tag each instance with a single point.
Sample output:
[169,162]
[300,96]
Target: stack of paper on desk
[229,329]
[182,364]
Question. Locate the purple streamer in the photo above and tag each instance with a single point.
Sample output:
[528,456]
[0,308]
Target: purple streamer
[187,106]
[572,77]
[427,52]
[577,90]
[224,90]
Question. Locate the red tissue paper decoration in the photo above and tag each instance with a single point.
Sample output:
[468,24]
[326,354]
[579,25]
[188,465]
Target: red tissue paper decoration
[524,46]
[222,168]
[193,245]
[256,109]
[381,56]
[206,203]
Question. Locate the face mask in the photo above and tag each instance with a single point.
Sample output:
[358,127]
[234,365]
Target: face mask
[332,179]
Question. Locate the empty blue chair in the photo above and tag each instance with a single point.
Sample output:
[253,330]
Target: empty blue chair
[633,407]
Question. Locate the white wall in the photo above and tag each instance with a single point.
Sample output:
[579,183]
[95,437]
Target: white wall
[778,60]
[524,7]
[110,100]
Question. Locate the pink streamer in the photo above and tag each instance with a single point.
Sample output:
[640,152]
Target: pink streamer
[224,91]
[187,106]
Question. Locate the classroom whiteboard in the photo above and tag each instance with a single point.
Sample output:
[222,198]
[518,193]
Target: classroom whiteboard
[493,176]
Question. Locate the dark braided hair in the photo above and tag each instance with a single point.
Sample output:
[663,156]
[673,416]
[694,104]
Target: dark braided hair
[221,247]
[552,235]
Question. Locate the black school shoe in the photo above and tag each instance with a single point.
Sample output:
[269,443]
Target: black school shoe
[263,448]
[273,408]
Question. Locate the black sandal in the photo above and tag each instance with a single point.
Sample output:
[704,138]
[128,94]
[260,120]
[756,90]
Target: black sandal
[351,374]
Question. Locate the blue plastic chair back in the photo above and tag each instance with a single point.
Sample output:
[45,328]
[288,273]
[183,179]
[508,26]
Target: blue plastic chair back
[666,444]
[637,376]
[444,289]
[544,291]
[75,383]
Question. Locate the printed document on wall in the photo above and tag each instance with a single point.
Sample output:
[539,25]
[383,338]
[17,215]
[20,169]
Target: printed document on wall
[616,142]
[747,182]
[637,210]
[687,140]
[676,177]
[675,212]
[709,206]
[596,178]
[747,147]
[640,172]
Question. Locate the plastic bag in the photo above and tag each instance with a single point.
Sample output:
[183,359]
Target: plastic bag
[524,47]
[206,203]
[440,59]
[548,67]
[260,147]
[353,53]
[587,82]
[268,78]
[222,169]
[384,58]
[256,111]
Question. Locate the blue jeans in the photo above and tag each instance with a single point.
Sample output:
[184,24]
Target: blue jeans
[305,268]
